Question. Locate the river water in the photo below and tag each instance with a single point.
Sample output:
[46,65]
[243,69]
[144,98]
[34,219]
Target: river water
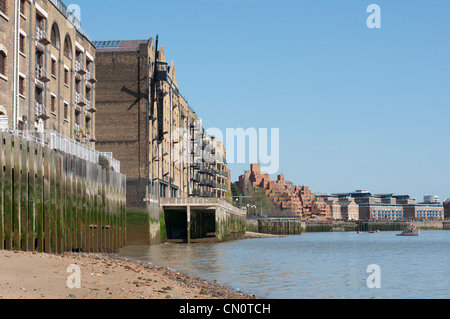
[317,265]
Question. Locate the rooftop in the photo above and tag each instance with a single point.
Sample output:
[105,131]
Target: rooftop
[384,195]
[119,45]
[70,16]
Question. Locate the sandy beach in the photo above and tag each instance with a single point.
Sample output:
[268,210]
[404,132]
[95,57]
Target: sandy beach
[252,235]
[44,276]
[30,275]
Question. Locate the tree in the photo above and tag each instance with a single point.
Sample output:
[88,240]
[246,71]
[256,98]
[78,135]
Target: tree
[235,191]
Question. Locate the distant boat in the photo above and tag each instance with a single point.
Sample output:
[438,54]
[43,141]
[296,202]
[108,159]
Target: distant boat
[411,231]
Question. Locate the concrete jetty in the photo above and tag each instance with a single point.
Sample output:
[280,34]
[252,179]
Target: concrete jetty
[200,219]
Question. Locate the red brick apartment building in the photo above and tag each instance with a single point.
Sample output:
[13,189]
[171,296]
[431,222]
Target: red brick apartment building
[285,194]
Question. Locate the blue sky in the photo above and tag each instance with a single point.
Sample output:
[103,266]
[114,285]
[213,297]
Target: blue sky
[357,108]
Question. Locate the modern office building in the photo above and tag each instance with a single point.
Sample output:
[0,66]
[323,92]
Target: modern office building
[389,207]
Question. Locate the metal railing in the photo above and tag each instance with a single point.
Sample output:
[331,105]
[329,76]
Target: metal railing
[88,75]
[40,34]
[38,109]
[78,99]
[4,123]
[41,73]
[79,67]
[64,144]
[70,16]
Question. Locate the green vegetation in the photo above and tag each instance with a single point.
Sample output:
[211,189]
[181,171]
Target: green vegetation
[162,224]
[235,191]
[137,217]
[264,204]
[104,162]
[229,193]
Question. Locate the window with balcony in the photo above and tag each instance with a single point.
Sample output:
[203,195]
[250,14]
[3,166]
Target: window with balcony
[77,118]
[41,35]
[88,125]
[39,105]
[89,66]
[88,99]
[78,94]
[79,67]
[41,73]
[90,71]
[38,96]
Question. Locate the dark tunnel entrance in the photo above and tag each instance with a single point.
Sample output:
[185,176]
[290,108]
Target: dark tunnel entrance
[176,225]
[202,225]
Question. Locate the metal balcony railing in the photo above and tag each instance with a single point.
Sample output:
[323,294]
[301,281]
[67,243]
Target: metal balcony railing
[79,100]
[67,12]
[79,67]
[40,111]
[41,73]
[90,77]
[41,35]
[64,144]
[4,123]
[89,105]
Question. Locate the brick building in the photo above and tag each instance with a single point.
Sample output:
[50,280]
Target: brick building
[253,178]
[47,70]
[447,208]
[285,195]
[341,206]
[321,210]
[388,207]
[150,127]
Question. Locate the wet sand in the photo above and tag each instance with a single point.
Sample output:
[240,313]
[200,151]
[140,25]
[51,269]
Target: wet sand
[44,276]
[250,235]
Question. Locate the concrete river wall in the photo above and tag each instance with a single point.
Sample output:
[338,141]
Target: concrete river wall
[54,202]
[280,226]
[293,226]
